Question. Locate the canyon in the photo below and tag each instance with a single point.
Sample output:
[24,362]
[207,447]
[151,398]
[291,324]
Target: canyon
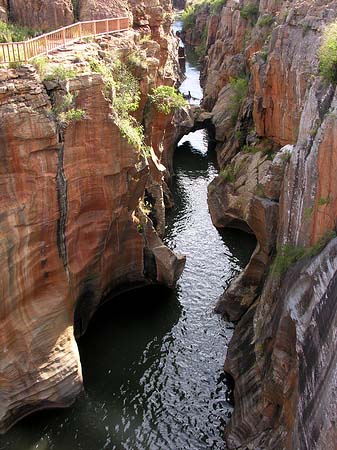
[275,123]
[77,227]
[73,226]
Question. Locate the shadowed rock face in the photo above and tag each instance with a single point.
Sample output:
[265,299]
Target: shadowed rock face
[42,14]
[180,4]
[250,203]
[281,355]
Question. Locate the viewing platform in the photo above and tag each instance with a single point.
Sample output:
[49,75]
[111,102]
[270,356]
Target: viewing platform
[41,45]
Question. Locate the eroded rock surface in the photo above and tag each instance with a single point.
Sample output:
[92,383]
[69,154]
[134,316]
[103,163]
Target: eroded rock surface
[281,355]
[248,201]
[42,14]
[102,9]
[73,225]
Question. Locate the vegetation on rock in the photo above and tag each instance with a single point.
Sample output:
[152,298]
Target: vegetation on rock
[190,13]
[72,115]
[166,99]
[239,88]
[14,33]
[61,72]
[250,12]
[266,21]
[289,254]
[328,54]
[124,90]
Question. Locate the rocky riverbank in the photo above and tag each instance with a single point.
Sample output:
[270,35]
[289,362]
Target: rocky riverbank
[275,120]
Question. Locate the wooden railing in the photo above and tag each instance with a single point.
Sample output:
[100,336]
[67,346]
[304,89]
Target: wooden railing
[42,45]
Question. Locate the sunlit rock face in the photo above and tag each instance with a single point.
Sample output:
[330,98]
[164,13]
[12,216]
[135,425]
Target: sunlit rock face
[281,355]
[73,231]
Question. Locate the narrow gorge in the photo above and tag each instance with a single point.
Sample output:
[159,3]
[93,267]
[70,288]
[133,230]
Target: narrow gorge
[169,259]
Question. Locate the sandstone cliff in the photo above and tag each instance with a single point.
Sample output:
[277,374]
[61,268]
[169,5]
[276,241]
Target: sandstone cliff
[275,125]
[41,14]
[49,14]
[74,225]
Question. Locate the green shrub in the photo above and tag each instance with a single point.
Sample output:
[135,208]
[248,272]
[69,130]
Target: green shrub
[76,9]
[166,99]
[190,13]
[15,64]
[136,61]
[239,87]
[321,243]
[264,54]
[266,21]
[127,88]
[211,188]
[250,149]
[41,65]
[118,78]
[307,213]
[131,131]
[124,90]
[328,54]
[73,115]
[259,191]
[289,255]
[286,156]
[188,17]
[216,6]
[229,173]
[322,201]
[250,12]
[286,257]
[61,73]
[104,69]
[14,33]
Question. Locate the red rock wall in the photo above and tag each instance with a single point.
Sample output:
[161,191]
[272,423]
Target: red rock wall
[36,336]
[282,354]
[101,9]
[72,228]
[42,14]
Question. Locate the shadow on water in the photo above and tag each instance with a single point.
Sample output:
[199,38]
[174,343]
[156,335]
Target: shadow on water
[128,324]
[124,339]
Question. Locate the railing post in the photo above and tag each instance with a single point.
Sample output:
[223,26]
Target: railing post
[107,25]
[95,31]
[25,50]
[80,30]
[64,37]
[45,44]
[118,27]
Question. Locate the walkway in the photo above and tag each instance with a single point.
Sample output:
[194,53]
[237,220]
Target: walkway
[42,45]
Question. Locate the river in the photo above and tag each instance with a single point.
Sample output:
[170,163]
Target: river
[153,359]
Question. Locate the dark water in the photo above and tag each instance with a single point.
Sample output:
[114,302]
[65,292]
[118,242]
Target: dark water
[152,361]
